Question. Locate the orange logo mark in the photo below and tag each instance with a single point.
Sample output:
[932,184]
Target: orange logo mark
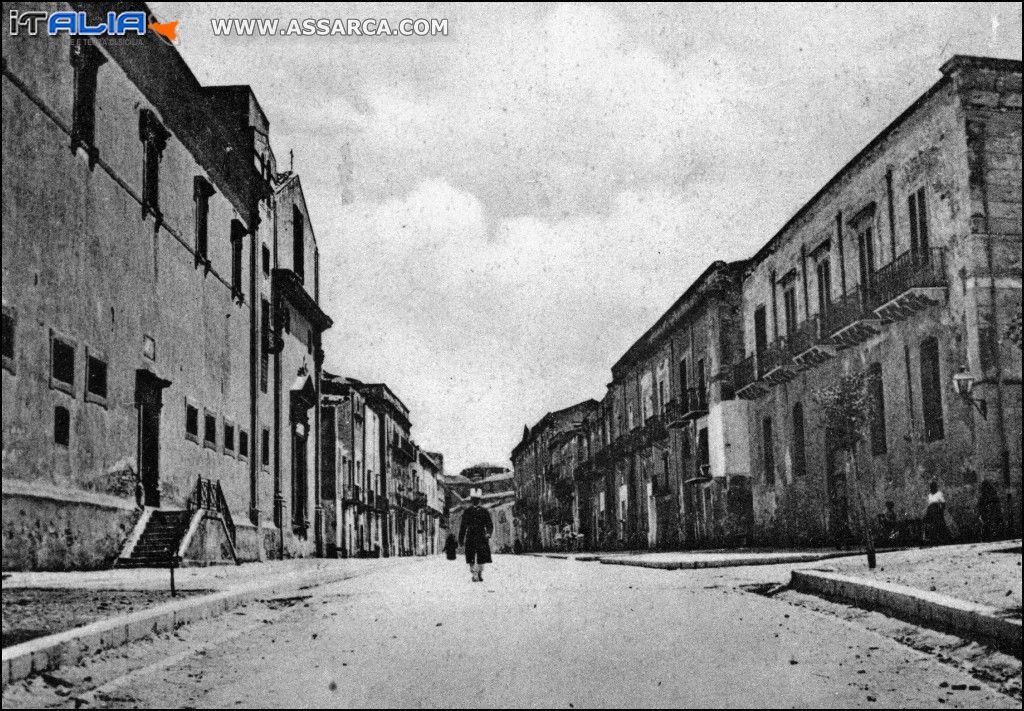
[168,30]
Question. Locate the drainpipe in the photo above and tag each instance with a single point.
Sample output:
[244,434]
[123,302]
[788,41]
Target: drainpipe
[255,346]
[275,328]
[318,505]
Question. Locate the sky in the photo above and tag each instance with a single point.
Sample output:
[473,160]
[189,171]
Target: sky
[503,211]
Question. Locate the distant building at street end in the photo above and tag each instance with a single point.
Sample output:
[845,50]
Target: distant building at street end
[497,486]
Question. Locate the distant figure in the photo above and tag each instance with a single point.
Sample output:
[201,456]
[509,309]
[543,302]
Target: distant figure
[517,547]
[935,530]
[475,532]
[989,511]
[889,524]
[451,547]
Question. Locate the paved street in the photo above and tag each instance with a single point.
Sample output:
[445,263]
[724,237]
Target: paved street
[537,632]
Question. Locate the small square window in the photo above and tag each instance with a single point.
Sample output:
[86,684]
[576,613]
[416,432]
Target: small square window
[229,438]
[62,364]
[243,444]
[96,379]
[210,430]
[61,425]
[191,422]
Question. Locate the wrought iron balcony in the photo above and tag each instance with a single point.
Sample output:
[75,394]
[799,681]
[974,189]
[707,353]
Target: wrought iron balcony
[674,415]
[745,380]
[910,283]
[808,345]
[350,494]
[849,321]
[695,403]
[775,364]
[419,500]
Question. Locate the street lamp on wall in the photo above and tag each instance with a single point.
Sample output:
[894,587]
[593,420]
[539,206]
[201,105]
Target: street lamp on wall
[964,384]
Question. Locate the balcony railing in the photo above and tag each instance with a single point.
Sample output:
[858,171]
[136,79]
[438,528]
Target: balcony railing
[350,493]
[419,500]
[775,363]
[695,403]
[809,345]
[745,380]
[849,321]
[911,282]
[674,414]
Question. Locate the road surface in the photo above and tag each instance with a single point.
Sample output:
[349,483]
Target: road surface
[536,632]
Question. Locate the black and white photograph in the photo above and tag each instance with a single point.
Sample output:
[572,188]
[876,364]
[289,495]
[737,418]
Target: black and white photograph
[511,355]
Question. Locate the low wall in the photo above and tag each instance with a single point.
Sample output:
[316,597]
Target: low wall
[58,529]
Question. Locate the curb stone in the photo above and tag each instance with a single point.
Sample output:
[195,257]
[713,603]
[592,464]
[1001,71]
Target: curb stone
[928,609]
[71,646]
[723,562]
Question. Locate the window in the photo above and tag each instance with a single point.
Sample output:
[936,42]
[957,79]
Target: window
[243,444]
[266,335]
[61,425]
[877,398]
[760,330]
[237,244]
[265,448]
[918,214]
[210,430]
[702,383]
[201,193]
[298,243]
[931,390]
[10,327]
[684,441]
[96,379]
[799,441]
[154,139]
[789,307]
[769,451]
[683,380]
[866,250]
[62,364]
[703,451]
[229,438]
[86,60]
[823,271]
[191,422]
[266,260]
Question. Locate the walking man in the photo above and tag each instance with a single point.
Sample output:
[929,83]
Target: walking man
[475,532]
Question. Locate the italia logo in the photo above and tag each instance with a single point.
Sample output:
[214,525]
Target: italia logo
[78,24]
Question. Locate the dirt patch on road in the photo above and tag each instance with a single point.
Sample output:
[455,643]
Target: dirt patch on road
[29,613]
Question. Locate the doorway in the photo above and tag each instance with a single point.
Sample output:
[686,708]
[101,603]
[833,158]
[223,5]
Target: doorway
[838,520]
[149,402]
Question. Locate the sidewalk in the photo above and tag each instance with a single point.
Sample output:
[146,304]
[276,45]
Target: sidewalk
[971,590]
[120,605]
[982,573]
[676,560]
[37,604]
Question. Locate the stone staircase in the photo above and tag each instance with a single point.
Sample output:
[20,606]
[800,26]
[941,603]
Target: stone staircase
[159,540]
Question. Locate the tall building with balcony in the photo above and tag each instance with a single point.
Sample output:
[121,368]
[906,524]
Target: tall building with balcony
[905,266]
[351,480]
[161,325]
[396,498]
[668,455]
[539,515]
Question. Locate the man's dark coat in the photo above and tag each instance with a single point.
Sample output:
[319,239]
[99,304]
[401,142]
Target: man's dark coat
[475,528]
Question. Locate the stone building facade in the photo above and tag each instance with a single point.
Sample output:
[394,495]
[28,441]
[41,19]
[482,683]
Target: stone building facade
[159,340]
[540,514]
[904,268]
